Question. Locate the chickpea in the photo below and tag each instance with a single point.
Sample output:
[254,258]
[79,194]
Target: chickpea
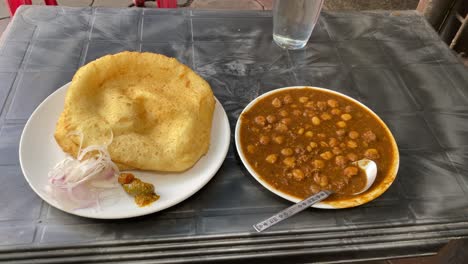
[335,111]
[313,145]
[352,156]
[323,144]
[333,142]
[299,149]
[314,189]
[298,175]
[283,113]
[278,139]
[303,99]
[372,154]
[300,131]
[341,161]
[337,151]
[251,148]
[332,103]
[350,171]
[348,109]
[321,180]
[369,136]
[352,144]
[309,148]
[288,99]
[315,120]
[309,134]
[318,164]
[260,120]
[310,105]
[325,116]
[272,158]
[281,127]
[290,162]
[346,117]
[287,151]
[264,140]
[341,124]
[340,132]
[286,121]
[353,135]
[322,105]
[321,135]
[326,155]
[297,112]
[271,119]
[276,102]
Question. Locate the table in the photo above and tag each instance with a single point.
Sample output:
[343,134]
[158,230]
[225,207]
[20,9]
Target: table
[392,61]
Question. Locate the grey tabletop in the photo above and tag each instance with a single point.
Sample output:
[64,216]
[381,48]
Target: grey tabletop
[393,62]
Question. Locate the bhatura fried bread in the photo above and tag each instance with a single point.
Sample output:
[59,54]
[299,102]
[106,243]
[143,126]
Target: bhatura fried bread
[155,112]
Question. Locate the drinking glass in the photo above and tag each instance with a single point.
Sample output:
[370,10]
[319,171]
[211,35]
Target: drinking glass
[293,21]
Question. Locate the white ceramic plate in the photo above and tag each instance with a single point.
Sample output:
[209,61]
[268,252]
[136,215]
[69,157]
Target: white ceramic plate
[367,196]
[38,153]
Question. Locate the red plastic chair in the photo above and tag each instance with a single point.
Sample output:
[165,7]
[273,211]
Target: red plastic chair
[167,3]
[161,3]
[14,4]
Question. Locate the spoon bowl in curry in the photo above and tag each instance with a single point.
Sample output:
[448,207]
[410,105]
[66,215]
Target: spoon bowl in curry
[369,168]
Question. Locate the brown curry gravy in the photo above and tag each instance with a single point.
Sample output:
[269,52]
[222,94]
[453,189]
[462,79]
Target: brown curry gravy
[301,141]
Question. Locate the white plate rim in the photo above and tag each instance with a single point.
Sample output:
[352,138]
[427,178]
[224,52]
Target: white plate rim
[265,184]
[214,169]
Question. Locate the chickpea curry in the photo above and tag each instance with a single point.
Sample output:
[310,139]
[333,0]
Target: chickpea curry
[301,141]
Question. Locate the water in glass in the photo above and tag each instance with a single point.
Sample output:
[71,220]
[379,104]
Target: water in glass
[293,21]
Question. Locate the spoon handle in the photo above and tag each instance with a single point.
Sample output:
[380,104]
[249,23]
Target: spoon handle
[292,210]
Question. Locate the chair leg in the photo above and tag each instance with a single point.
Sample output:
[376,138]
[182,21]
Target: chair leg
[51,2]
[14,4]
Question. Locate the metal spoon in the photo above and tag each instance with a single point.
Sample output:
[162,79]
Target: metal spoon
[368,166]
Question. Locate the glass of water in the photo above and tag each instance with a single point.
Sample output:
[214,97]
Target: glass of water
[293,21]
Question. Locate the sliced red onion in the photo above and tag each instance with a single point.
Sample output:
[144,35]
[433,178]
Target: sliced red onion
[82,182]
